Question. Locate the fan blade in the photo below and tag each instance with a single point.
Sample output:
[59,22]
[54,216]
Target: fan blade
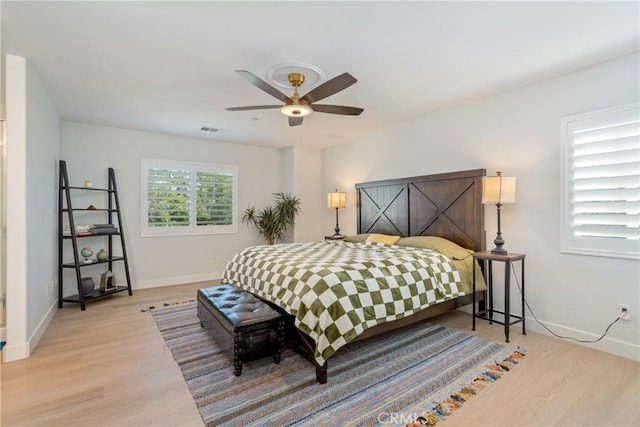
[253,107]
[337,109]
[261,84]
[295,121]
[329,88]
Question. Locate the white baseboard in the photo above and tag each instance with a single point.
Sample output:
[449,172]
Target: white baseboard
[608,345]
[42,326]
[177,280]
[17,351]
[13,352]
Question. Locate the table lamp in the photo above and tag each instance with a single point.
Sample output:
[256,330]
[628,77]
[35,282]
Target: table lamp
[337,200]
[498,190]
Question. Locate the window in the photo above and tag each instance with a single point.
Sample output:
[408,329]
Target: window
[188,198]
[601,183]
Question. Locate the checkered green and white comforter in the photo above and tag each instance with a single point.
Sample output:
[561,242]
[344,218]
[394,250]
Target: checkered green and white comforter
[338,289]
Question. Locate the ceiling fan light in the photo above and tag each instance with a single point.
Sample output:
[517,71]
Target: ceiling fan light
[296,110]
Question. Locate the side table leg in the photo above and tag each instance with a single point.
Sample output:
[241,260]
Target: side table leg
[524,332]
[507,308]
[490,286]
[473,297]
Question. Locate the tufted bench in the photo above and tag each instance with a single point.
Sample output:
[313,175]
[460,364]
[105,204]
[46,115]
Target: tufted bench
[244,326]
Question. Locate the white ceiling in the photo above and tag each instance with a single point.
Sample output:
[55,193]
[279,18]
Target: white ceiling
[169,66]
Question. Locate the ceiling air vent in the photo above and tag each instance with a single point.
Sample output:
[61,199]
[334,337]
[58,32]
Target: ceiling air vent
[208,129]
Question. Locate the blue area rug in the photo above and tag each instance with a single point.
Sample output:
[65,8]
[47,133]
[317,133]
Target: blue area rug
[416,376]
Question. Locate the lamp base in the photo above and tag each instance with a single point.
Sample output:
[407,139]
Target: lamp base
[336,234]
[499,241]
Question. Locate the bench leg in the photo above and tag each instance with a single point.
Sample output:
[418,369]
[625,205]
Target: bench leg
[237,363]
[281,341]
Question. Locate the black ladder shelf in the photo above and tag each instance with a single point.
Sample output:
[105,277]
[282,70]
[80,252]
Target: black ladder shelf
[65,207]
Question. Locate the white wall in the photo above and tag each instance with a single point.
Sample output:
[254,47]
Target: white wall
[33,147]
[156,261]
[3,242]
[44,141]
[517,133]
[301,171]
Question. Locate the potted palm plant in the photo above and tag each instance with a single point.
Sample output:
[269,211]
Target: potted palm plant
[273,222]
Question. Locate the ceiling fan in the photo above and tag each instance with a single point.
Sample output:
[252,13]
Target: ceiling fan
[296,106]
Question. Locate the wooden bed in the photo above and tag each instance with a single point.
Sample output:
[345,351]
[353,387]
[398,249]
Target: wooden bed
[446,205]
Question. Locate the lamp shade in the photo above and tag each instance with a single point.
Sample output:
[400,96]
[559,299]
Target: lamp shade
[337,199]
[498,189]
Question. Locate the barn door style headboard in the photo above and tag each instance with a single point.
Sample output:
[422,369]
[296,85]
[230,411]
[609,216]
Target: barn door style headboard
[447,205]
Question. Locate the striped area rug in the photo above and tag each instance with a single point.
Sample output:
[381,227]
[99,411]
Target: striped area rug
[412,377]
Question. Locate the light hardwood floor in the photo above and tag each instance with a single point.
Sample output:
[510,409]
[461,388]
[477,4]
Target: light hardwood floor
[109,366]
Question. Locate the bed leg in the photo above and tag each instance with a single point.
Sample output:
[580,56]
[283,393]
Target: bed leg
[321,373]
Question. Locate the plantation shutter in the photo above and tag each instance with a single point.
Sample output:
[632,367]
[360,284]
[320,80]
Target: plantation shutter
[603,189]
[214,198]
[188,198]
[168,197]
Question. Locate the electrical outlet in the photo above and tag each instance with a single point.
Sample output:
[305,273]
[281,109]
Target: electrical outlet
[625,311]
[212,260]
